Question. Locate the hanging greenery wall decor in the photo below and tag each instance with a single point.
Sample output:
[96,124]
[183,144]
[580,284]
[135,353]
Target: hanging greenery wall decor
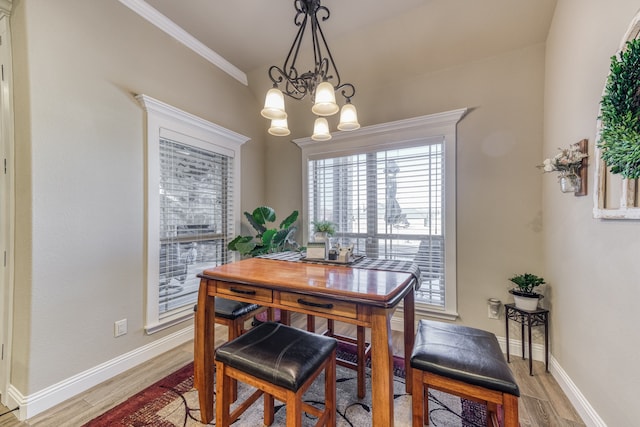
[619,115]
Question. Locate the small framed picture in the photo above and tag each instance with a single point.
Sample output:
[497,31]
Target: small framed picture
[316,250]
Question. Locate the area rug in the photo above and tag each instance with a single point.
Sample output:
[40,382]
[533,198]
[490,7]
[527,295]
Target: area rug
[173,402]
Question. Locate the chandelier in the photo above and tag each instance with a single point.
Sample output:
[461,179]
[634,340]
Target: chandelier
[320,84]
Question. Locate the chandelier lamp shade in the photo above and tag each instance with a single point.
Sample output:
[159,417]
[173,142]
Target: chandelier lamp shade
[321,130]
[320,83]
[279,127]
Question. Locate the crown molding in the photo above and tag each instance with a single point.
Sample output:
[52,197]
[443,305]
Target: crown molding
[152,15]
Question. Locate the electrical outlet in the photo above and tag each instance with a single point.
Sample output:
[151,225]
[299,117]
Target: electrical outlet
[120,328]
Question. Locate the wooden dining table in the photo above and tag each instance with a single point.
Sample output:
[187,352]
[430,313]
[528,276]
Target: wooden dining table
[358,296]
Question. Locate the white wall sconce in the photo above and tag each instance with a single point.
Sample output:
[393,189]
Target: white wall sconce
[571,164]
[494,308]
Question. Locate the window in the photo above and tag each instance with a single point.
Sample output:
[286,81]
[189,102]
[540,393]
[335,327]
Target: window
[389,205]
[192,169]
[391,191]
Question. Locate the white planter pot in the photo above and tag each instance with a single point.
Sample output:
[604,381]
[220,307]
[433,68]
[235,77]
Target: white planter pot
[320,236]
[526,303]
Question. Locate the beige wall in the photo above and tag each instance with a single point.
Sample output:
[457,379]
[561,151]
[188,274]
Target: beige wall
[80,186]
[592,265]
[499,144]
[80,221]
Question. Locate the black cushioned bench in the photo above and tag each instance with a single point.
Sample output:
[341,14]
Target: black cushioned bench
[233,315]
[462,361]
[281,362]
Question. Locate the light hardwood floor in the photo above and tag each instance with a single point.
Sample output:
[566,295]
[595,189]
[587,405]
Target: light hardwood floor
[542,402]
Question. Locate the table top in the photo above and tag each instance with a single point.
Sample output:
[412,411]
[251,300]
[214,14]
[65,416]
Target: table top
[375,287]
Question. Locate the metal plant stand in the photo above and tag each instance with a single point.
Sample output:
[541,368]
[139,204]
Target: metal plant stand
[538,317]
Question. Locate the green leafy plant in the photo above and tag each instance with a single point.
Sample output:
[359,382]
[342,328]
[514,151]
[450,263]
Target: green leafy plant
[619,111]
[267,240]
[324,226]
[526,282]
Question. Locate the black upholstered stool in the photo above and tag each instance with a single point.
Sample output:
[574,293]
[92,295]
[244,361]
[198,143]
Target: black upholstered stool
[465,362]
[281,362]
[234,314]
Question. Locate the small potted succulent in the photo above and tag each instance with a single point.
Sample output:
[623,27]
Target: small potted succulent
[322,230]
[523,293]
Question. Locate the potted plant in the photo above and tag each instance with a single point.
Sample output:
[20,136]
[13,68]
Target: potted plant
[523,293]
[266,240]
[322,230]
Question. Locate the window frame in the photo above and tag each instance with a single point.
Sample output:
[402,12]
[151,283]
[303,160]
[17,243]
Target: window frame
[163,120]
[394,135]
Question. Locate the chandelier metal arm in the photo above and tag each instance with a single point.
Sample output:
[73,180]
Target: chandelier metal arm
[296,85]
[347,90]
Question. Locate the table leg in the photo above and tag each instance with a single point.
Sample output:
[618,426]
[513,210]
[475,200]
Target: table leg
[285,317]
[204,342]
[530,347]
[546,341]
[409,336]
[522,336]
[506,322]
[311,323]
[381,369]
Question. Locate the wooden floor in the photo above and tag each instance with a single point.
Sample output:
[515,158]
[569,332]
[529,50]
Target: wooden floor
[542,402]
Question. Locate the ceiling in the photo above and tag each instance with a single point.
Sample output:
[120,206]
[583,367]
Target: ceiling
[411,36]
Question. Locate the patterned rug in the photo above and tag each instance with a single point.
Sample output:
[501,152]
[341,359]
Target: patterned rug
[173,402]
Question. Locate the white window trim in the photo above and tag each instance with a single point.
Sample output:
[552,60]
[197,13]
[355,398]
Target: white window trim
[396,135]
[7,205]
[167,121]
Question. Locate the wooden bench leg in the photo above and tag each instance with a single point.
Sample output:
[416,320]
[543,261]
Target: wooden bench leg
[330,390]
[294,410]
[223,398]
[510,409]
[268,409]
[418,399]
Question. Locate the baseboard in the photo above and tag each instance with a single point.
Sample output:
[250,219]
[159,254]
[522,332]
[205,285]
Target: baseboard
[515,349]
[578,400]
[47,398]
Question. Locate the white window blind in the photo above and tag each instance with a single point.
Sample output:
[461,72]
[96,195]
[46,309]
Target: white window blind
[192,208]
[389,204]
[196,220]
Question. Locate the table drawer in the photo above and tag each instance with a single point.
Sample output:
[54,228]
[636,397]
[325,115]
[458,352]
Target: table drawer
[253,293]
[319,305]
